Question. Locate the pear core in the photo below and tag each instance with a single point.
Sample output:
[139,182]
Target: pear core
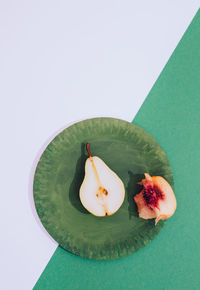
[102,191]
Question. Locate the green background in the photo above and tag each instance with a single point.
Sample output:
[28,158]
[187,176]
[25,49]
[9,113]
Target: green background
[171,114]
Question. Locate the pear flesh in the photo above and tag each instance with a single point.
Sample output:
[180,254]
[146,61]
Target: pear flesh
[102,191]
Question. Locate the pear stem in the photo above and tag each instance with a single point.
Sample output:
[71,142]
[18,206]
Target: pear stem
[88,149]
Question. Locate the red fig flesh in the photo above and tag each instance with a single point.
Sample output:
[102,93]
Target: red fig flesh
[156,200]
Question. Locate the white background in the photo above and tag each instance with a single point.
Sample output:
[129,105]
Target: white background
[62,61]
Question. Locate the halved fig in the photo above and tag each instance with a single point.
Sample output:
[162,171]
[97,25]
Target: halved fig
[156,200]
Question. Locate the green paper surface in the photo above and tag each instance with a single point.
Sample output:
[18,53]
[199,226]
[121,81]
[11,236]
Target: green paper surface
[171,114]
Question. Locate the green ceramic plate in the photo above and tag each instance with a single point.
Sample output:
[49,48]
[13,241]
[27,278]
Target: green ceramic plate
[126,149]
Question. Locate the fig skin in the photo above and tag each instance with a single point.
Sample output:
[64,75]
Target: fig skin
[156,200]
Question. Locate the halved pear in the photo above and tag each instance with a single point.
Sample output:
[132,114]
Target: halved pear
[102,191]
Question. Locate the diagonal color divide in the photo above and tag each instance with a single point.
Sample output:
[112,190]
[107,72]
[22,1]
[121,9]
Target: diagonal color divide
[171,114]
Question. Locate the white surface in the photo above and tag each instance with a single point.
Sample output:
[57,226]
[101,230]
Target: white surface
[61,61]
